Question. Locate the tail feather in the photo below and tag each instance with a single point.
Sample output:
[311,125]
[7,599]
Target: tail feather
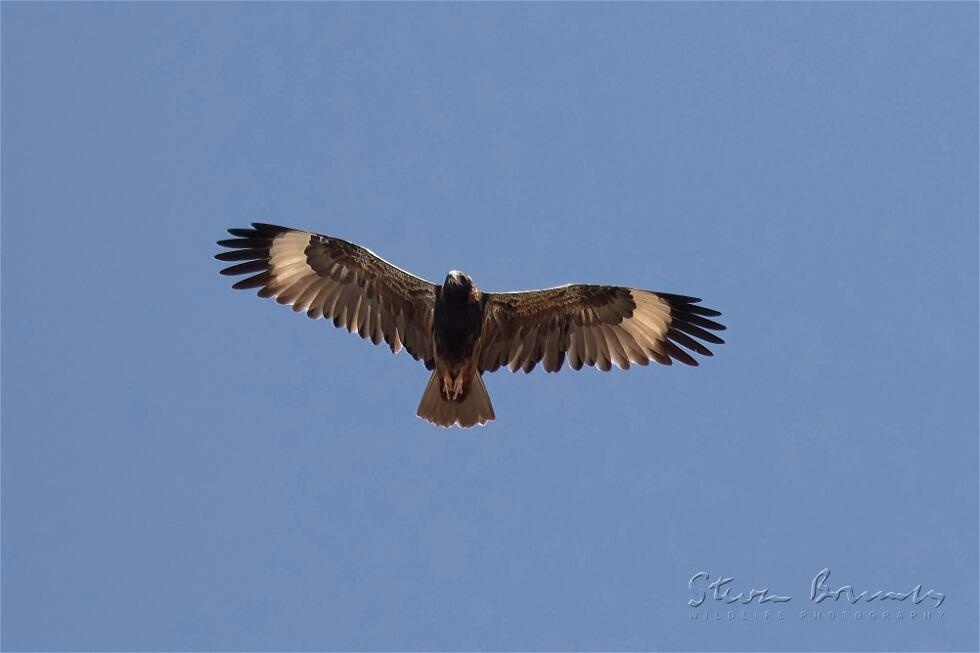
[474,409]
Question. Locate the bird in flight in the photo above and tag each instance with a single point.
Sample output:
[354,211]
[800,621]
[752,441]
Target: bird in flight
[458,331]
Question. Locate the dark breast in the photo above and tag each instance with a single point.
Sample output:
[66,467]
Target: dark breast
[458,320]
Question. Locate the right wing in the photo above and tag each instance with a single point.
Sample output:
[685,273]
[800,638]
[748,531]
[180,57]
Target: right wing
[593,325]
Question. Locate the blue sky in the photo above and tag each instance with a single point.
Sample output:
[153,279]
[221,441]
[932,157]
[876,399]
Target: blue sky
[188,467]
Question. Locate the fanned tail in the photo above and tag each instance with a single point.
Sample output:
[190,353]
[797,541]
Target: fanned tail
[474,409]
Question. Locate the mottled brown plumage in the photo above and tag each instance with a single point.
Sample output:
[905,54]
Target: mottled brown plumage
[458,331]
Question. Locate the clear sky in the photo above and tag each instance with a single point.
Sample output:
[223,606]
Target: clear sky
[189,467]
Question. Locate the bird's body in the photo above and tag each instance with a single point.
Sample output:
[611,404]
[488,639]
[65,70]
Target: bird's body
[457,324]
[456,330]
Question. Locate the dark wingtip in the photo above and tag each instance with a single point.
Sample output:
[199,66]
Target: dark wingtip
[265,226]
[247,267]
[707,312]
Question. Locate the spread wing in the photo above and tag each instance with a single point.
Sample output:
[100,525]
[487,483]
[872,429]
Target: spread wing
[332,278]
[593,325]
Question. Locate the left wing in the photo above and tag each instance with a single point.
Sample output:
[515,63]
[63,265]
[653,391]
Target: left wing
[336,279]
[593,325]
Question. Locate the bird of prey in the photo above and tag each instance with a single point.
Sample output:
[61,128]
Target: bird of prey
[458,331]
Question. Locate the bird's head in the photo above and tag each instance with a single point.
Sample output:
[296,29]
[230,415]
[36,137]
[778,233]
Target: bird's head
[457,283]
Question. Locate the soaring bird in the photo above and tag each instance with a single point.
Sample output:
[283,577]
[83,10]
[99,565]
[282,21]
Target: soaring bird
[458,331]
